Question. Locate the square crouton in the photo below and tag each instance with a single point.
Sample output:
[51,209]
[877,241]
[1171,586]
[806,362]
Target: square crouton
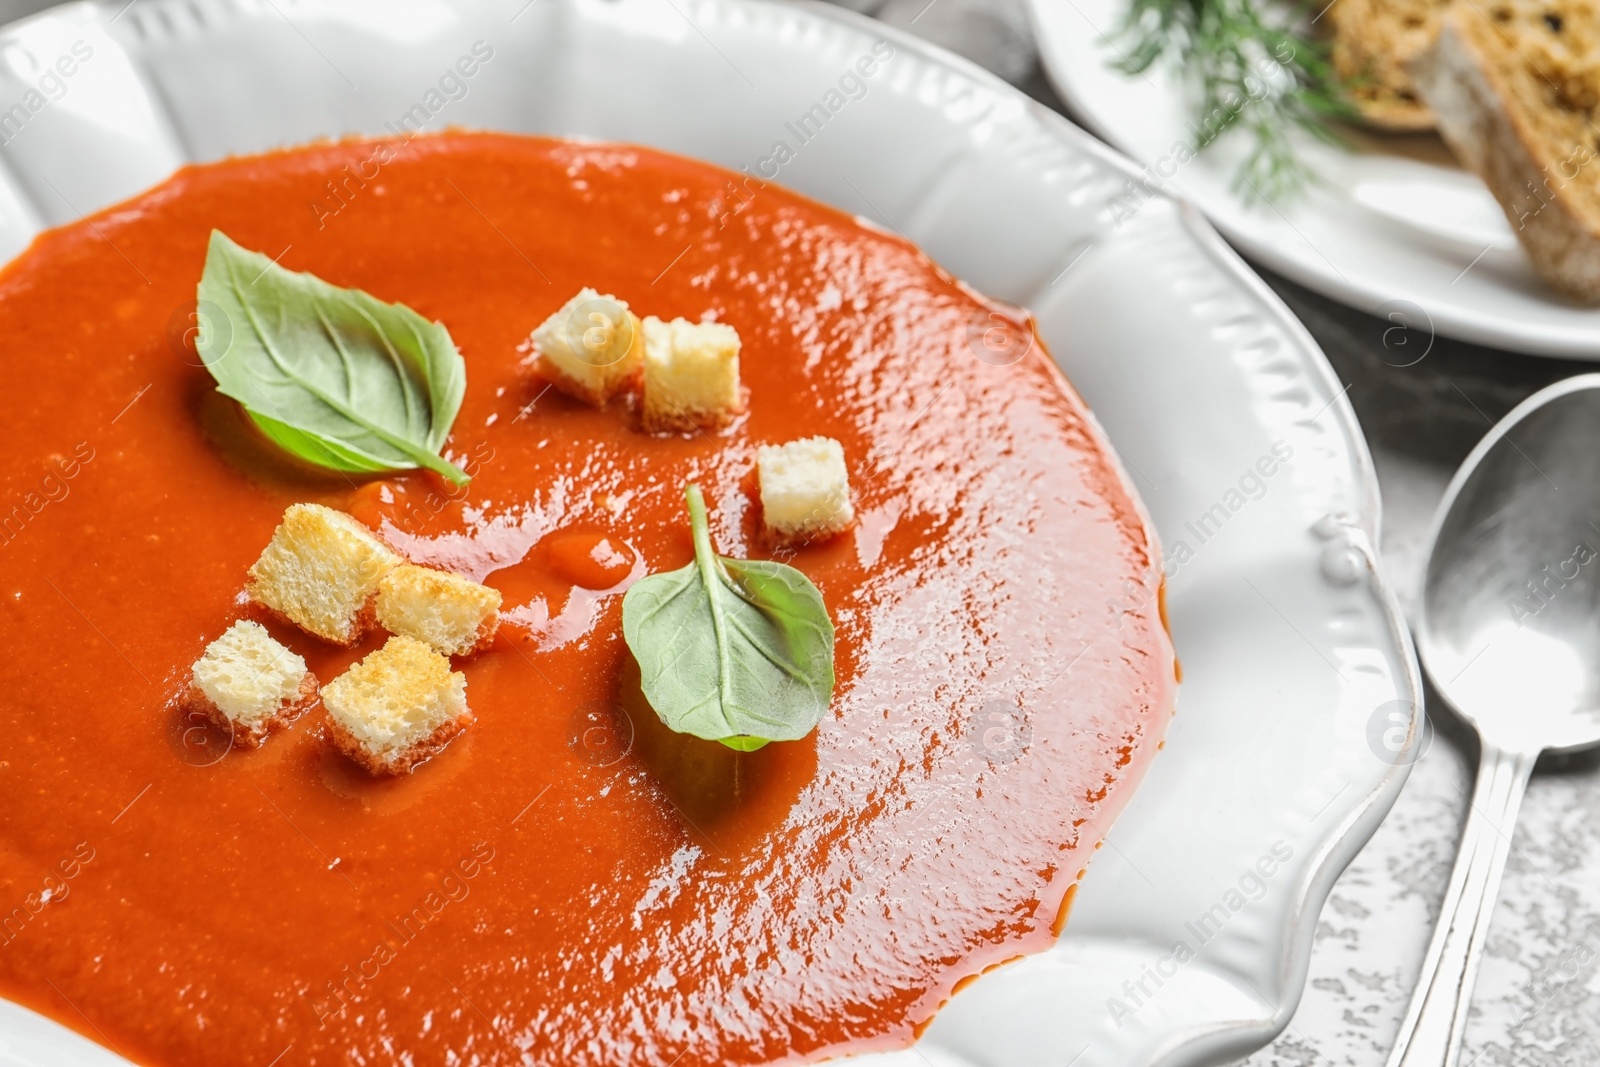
[591,348]
[248,683]
[805,489]
[452,614]
[691,374]
[321,572]
[397,708]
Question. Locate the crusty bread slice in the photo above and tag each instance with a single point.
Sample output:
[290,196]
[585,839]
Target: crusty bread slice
[397,708]
[248,683]
[591,348]
[805,490]
[1372,42]
[455,616]
[1516,88]
[691,374]
[321,572]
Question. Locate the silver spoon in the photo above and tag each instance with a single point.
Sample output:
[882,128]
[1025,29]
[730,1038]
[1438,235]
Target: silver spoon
[1510,634]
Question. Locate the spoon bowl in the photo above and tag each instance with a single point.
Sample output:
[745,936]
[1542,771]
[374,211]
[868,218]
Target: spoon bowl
[1509,631]
[1510,625]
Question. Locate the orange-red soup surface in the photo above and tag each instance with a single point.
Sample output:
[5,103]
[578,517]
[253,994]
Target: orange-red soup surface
[568,883]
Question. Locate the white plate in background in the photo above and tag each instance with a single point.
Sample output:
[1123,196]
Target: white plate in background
[1396,228]
[1296,668]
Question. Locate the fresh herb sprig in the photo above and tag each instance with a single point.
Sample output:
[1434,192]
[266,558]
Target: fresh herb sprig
[1253,70]
[732,650]
[334,376]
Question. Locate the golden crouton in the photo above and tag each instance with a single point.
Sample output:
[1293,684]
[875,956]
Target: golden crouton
[397,708]
[805,489]
[591,348]
[691,374]
[321,572]
[248,683]
[454,615]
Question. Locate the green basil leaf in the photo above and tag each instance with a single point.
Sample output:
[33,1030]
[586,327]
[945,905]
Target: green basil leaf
[334,376]
[732,650]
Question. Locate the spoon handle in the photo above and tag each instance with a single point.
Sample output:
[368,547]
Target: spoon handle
[1436,1020]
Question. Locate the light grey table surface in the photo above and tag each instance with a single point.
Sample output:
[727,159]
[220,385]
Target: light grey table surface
[1538,1002]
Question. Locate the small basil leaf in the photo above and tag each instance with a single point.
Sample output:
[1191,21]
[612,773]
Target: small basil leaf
[334,376]
[731,650]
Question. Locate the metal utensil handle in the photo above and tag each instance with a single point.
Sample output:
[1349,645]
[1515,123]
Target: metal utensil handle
[1436,1020]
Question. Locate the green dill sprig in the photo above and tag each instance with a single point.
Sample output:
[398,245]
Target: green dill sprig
[1252,73]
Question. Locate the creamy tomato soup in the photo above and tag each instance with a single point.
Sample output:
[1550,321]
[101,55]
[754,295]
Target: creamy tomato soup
[569,882]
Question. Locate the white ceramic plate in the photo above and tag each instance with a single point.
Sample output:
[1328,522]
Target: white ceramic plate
[1290,646]
[1398,229]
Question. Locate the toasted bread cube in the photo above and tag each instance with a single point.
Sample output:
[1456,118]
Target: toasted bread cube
[454,615]
[397,708]
[321,572]
[691,374]
[248,683]
[805,489]
[591,348]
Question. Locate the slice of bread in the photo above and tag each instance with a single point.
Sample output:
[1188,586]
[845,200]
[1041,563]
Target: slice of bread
[805,489]
[248,683]
[321,572]
[1372,42]
[591,348]
[1516,88]
[453,615]
[397,708]
[691,374]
